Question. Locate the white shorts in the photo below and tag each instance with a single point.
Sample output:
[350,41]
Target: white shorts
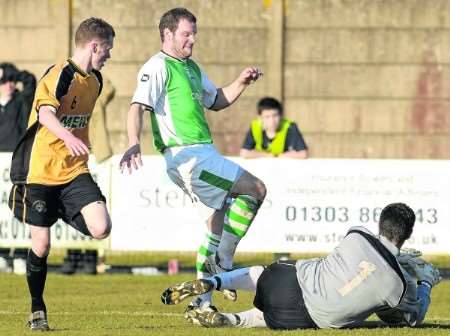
[202,173]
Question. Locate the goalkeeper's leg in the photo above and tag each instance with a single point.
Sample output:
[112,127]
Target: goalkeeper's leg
[252,318]
[242,278]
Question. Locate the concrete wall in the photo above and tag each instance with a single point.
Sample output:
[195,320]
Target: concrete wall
[31,33]
[370,78]
[363,78]
[224,47]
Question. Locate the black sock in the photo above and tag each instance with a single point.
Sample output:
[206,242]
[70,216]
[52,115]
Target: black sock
[36,275]
[218,282]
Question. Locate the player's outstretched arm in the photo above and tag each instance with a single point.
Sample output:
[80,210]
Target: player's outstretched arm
[254,154]
[293,154]
[132,157]
[423,276]
[228,94]
[48,119]
[427,276]
[411,312]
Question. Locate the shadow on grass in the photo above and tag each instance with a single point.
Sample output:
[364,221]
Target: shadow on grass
[379,324]
[365,325]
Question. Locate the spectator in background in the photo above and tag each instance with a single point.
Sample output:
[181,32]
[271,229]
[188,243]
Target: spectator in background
[271,135]
[15,104]
[98,133]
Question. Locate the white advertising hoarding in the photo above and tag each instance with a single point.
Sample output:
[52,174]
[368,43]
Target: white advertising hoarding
[309,206]
[150,212]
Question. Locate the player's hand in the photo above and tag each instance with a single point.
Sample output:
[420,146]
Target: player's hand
[131,159]
[76,146]
[404,259]
[427,272]
[423,271]
[250,75]
[406,254]
[409,252]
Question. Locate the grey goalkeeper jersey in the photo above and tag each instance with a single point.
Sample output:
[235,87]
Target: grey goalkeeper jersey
[360,277]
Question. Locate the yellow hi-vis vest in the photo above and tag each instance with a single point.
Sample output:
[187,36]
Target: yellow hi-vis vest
[276,147]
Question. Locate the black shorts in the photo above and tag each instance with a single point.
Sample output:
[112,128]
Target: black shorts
[280,298]
[43,205]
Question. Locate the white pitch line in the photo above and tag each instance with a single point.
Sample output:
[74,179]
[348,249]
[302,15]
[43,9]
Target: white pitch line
[4,312]
[437,318]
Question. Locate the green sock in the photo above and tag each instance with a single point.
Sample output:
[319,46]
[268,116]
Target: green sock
[238,219]
[208,247]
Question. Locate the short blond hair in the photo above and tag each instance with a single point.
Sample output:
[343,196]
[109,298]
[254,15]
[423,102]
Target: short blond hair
[93,28]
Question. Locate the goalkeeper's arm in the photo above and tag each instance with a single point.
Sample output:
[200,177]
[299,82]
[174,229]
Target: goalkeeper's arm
[411,313]
[423,295]
[427,277]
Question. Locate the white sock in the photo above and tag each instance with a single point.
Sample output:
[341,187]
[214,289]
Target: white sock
[227,249]
[241,278]
[253,318]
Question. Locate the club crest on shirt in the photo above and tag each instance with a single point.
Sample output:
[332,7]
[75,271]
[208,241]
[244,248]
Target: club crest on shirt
[145,78]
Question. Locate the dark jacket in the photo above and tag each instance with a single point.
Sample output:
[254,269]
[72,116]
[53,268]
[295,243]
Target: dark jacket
[14,115]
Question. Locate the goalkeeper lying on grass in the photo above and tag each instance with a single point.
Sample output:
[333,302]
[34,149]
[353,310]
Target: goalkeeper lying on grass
[365,274]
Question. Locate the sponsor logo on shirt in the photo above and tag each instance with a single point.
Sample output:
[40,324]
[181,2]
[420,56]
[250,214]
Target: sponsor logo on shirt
[197,96]
[367,269]
[75,121]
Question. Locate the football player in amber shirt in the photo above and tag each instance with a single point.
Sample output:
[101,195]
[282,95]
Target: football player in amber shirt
[49,170]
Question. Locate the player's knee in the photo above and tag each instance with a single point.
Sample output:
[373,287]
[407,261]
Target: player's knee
[257,189]
[107,230]
[41,248]
[101,230]
[260,190]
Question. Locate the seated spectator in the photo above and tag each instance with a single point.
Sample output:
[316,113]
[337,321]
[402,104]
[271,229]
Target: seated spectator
[271,135]
[15,104]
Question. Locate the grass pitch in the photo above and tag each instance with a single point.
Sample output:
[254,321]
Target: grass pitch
[130,305]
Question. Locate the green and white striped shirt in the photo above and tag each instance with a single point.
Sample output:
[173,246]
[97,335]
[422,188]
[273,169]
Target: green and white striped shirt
[176,91]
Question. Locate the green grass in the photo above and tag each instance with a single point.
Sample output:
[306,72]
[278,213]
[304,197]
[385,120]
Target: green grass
[188,258]
[130,305]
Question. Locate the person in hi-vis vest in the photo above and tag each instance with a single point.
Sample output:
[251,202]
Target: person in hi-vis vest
[271,135]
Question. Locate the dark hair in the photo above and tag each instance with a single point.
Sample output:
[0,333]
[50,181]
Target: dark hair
[93,28]
[268,103]
[397,222]
[10,73]
[171,18]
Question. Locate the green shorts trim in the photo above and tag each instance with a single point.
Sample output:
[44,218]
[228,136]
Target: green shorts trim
[215,180]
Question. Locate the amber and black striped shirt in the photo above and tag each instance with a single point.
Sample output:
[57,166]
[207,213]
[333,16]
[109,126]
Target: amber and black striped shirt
[40,156]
